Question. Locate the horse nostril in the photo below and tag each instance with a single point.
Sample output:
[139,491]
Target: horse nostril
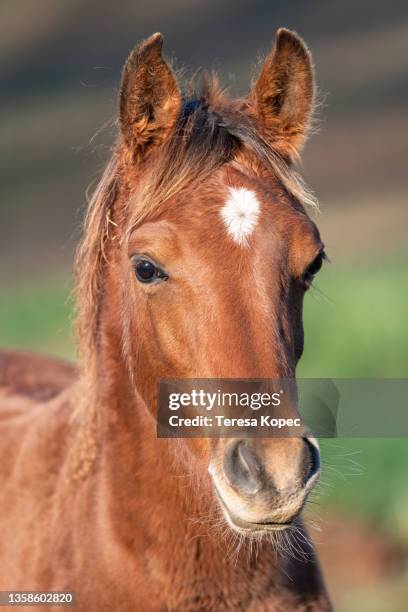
[313,459]
[243,468]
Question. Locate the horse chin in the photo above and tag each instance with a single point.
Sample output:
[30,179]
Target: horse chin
[251,528]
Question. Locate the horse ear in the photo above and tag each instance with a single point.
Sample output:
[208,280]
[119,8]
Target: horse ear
[149,97]
[283,95]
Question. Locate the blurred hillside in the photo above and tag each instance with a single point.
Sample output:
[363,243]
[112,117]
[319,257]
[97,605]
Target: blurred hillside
[60,65]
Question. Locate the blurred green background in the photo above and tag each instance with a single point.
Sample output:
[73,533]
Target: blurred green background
[60,65]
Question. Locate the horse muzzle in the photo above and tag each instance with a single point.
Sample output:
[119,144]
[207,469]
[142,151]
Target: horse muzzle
[262,485]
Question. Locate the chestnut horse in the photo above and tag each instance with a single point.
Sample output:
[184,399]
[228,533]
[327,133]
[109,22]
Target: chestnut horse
[196,256]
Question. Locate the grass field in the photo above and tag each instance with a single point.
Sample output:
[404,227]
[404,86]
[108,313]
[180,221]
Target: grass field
[356,326]
[356,321]
[37,315]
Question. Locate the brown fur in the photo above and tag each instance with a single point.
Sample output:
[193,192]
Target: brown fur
[91,500]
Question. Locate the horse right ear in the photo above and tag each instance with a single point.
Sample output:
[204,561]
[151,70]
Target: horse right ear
[283,96]
[149,97]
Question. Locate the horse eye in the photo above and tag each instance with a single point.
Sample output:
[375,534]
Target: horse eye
[315,266]
[147,272]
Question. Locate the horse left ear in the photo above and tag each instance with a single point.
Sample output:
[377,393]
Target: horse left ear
[149,97]
[282,97]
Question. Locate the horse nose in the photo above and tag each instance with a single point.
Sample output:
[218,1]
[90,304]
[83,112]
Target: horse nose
[312,459]
[243,468]
[248,472]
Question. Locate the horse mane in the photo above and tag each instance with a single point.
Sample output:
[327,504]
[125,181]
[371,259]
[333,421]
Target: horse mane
[210,131]
[89,263]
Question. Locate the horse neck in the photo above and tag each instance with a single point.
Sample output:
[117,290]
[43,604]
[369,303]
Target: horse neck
[138,467]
